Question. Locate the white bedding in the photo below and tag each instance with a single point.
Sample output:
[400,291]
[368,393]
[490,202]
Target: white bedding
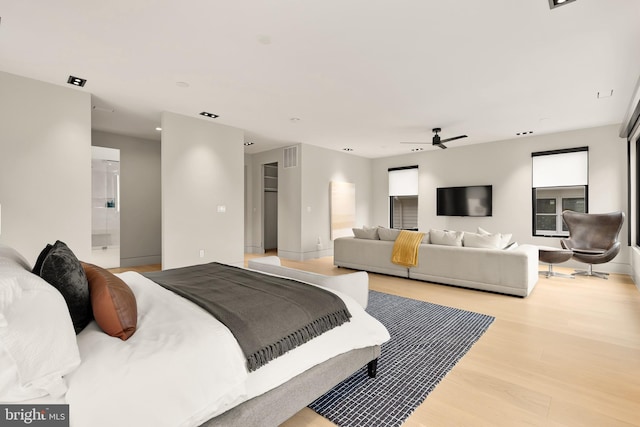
[182,366]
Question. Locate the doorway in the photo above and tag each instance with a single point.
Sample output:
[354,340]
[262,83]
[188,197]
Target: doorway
[105,206]
[270,206]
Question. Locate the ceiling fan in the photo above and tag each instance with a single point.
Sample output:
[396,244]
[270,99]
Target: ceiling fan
[436,139]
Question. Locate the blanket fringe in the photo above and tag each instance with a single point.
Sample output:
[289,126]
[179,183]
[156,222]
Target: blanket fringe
[297,338]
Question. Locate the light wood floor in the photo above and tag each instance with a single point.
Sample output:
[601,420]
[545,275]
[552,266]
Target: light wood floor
[567,355]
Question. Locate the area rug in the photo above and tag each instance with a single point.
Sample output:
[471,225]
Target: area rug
[427,340]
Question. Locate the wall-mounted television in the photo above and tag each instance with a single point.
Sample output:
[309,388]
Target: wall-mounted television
[474,200]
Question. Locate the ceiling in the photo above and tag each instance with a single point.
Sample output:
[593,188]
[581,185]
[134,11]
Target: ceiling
[359,74]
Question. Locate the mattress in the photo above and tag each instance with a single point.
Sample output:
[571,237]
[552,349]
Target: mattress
[183,367]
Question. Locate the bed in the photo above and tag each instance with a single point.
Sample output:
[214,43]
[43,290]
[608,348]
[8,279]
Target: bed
[181,366]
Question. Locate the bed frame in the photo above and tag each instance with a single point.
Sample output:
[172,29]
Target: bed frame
[278,405]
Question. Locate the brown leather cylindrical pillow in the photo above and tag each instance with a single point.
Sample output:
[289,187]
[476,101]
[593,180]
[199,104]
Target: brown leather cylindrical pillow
[113,302]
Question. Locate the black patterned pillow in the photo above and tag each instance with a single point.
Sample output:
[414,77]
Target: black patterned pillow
[63,270]
[40,260]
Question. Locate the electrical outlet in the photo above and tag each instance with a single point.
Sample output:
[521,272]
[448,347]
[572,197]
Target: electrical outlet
[201,253]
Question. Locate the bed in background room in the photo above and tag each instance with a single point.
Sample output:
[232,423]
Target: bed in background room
[151,357]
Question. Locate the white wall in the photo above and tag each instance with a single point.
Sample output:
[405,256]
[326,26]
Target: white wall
[202,169]
[303,199]
[319,167]
[45,166]
[289,202]
[507,166]
[140,219]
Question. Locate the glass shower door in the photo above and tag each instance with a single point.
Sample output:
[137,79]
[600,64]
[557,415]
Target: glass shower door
[105,199]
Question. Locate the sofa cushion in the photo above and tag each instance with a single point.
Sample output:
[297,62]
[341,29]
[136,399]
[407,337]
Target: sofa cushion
[370,233]
[446,237]
[504,238]
[389,234]
[475,240]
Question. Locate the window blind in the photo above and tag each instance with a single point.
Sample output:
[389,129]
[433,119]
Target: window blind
[560,169]
[403,181]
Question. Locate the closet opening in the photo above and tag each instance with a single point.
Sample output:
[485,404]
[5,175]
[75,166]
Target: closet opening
[270,207]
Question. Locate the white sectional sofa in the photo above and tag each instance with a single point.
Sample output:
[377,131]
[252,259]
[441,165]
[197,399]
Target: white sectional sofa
[511,271]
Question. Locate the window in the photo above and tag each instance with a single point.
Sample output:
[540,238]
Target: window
[560,182]
[550,202]
[637,193]
[403,198]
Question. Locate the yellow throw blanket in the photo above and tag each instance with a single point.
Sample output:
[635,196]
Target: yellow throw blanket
[405,249]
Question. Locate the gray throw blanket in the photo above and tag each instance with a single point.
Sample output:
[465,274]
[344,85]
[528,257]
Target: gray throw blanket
[268,315]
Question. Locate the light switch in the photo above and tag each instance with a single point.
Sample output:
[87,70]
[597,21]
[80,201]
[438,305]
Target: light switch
[222,208]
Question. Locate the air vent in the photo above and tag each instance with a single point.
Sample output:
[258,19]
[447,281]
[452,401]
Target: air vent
[290,157]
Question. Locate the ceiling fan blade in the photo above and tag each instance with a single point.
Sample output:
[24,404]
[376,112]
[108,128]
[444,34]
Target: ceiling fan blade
[415,142]
[454,138]
[441,145]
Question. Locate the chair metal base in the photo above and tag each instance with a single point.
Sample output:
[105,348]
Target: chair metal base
[590,272]
[550,273]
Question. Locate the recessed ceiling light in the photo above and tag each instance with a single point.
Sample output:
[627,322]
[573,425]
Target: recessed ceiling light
[417,149]
[76,81]
[210,115]
[294,119]
[347,149]
[555,3]
[247,143]
[529,132]
[158,128]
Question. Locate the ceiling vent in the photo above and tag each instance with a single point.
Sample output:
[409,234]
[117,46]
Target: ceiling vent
[290,157]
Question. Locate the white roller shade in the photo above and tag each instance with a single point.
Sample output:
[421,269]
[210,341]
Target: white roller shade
[561,170]
[403,182]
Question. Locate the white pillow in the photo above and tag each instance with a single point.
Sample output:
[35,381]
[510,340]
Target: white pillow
[426,238]
[446,237]
[473,240]
[37,341]
[504,238]
[12,255]
[389,234]
[370,233]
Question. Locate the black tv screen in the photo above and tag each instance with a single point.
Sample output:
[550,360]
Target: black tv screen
[465,201]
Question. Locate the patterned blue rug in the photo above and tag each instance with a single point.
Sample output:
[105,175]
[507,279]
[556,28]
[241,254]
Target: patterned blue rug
[427,340]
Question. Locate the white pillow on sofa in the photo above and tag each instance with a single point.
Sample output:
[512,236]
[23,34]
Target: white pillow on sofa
[490,241]
[37,341]
[504,238]
[445,237]
[390,234]
[370,233]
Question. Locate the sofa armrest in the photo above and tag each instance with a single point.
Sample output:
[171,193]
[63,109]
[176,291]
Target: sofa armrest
[355,285]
